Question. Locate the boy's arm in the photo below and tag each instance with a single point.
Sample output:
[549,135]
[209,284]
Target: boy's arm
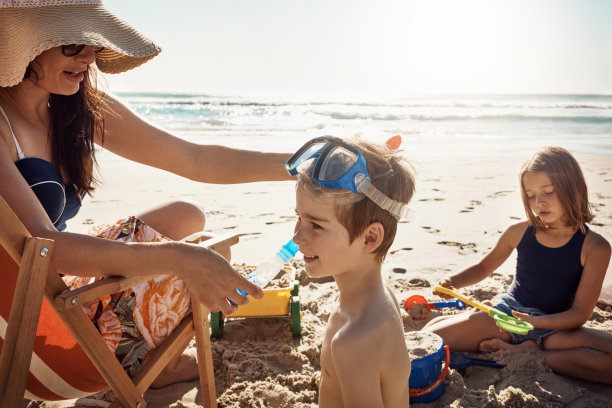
[357,365]
[596,256]
[373,368]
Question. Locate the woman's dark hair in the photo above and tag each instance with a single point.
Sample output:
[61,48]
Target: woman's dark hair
[74,122]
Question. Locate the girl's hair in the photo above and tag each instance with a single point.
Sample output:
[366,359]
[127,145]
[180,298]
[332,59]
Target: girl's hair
[568,182]
[74,122]
[391,174]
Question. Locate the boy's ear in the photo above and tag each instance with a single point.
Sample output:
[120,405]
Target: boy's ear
[373,236]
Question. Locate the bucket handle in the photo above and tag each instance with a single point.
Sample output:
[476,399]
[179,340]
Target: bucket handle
[417,392]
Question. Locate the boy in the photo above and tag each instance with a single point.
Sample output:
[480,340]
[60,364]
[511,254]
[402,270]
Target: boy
[345,227]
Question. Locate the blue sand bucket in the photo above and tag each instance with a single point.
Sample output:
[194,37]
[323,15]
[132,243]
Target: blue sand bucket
[427,376]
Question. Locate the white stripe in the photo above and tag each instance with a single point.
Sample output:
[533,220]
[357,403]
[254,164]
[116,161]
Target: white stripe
[63,191]
[20,154]
[47,377]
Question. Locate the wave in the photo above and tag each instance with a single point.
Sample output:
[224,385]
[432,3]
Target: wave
[545,102]
[464,118]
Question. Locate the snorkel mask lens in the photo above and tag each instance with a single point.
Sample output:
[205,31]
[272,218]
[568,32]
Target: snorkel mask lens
[337,163]
[340,165]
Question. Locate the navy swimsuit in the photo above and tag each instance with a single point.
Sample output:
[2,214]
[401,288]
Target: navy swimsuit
[547,278]
[60,201]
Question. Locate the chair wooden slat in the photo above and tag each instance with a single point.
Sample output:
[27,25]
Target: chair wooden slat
[21,328]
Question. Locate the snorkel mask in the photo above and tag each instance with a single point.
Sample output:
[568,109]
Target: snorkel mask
[340,165]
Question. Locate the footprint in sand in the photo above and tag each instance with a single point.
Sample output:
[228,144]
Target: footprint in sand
[432,199]
[399,270]
[472,205]
[419,283]
[500,193]
[431,230]
[401,249]
[464,249]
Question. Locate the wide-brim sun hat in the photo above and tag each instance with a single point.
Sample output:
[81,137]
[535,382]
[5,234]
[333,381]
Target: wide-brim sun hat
[29,27]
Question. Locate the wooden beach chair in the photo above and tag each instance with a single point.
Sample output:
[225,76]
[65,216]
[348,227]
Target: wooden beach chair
[50,348]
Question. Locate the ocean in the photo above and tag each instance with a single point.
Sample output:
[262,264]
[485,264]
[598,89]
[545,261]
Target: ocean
[429,124]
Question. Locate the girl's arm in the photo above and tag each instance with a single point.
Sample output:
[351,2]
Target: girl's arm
[497,256]
[595,258]
[130,136]
[208,275]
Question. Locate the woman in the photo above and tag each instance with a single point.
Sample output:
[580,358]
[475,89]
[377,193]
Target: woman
[52,116]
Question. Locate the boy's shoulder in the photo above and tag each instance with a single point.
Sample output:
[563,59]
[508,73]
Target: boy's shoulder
[372,327]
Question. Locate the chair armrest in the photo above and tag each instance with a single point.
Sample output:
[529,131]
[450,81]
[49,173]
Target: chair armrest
[114,284]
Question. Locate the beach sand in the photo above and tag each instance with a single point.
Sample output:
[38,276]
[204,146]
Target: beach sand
[461,207]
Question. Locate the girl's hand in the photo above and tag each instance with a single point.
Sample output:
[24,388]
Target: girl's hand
[445,283]
[526,318]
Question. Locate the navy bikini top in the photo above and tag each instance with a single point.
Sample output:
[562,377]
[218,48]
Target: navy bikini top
[60,201]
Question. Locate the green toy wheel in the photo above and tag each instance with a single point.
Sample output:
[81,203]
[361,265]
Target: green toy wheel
[216,324]
[296,288]
[296,316]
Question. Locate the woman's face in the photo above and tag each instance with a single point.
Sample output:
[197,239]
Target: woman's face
[58,74]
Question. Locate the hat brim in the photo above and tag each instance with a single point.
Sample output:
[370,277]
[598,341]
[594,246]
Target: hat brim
[27,32]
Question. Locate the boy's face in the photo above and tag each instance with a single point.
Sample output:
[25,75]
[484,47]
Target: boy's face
[322,239]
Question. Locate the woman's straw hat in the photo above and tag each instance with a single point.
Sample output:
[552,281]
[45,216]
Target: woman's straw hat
[29,27]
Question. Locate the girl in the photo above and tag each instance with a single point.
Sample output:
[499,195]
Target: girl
[561,265]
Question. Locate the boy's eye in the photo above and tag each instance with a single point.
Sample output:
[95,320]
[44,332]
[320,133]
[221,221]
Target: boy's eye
[549,192]
[530,197]
[316,226]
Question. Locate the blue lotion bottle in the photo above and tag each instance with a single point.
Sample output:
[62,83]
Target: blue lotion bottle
[269,269]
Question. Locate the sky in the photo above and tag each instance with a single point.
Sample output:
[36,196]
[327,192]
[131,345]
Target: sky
[379,47]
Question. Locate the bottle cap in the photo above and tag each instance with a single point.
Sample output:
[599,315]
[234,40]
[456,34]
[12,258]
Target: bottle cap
[288,250]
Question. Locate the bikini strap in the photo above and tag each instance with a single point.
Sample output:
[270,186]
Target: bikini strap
[20,154]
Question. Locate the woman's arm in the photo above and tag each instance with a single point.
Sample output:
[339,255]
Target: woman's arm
[497,256]
[130,136]
[207,274]
[595,257]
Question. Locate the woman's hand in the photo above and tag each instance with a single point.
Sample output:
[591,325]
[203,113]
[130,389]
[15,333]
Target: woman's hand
[213,281]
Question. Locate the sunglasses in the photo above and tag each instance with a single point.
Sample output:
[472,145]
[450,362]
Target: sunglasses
[340,165]
[71,50]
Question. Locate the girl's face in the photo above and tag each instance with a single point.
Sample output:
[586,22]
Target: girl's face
[321,238]
[59,74]
[543,199]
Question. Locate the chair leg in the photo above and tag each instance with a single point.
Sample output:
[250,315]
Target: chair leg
[23,321]
[201,326]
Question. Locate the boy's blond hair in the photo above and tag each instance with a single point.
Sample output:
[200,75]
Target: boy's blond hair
[390,173]
[568,181]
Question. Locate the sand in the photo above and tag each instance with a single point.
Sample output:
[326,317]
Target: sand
[462,205]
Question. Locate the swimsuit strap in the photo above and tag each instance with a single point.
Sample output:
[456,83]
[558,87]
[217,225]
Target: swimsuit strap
[20,154]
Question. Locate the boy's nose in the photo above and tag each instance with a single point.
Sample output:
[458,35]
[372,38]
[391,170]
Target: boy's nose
[297,235]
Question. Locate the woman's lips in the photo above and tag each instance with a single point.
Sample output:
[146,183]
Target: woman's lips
[74,76]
